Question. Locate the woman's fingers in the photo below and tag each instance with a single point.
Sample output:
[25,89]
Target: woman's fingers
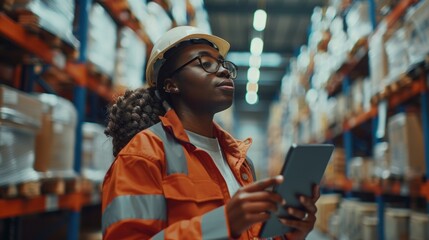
[263,184]
[252,204]
[259,207]
[257,217]
[303,219]
[309,204]
[299,214]
[262,196]
[316,192]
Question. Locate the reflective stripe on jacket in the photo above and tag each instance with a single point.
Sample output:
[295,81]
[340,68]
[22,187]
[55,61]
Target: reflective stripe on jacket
[161,186]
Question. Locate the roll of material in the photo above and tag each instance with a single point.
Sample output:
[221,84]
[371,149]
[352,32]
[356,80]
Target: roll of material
[20,115]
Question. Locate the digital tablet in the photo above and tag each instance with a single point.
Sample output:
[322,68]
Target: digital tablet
[304,166]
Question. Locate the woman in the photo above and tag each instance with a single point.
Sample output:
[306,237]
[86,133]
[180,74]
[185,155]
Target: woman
[177,174]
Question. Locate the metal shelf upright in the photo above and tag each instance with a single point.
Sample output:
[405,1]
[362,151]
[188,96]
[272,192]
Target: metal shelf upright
[79,100]
[425,123]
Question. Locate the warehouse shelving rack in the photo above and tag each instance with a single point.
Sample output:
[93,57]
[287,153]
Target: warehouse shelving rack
[44,203]
[78,71]
[417,87]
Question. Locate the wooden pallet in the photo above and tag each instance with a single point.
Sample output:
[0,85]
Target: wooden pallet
[26,190]
[391,89]
[53,186]
[73,185]
[89,186]
[61,186]
[401,83]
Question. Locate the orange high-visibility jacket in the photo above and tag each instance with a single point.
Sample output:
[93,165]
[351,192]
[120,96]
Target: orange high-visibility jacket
[161,186]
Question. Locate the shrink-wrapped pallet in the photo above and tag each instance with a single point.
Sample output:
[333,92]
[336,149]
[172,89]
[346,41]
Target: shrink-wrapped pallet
[97,152]
[54,16]
[20,116]
[102,36]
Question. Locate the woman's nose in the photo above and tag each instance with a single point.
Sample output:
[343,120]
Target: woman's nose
[223,72]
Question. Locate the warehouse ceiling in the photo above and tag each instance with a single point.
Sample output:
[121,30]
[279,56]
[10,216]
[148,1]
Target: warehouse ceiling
[287,26]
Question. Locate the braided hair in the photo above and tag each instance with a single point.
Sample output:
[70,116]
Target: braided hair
[133,112]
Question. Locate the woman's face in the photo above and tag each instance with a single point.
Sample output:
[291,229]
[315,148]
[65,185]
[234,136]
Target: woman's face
[197,88]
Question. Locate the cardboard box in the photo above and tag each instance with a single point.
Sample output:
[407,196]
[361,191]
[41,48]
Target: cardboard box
[44,143]
[19,108]
[406,145]
[378,64]
[397,55]
[326,205]
[56,140]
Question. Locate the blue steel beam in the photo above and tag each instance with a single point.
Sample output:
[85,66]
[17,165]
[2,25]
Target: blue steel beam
[79,101]
[380,216]
[425,124]
[372,13]
[28,78]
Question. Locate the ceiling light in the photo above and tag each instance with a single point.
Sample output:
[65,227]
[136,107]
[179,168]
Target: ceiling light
[252,87]
[255,61]
[259,20]
[253,75]
[245,59]
[251,98]
[256,46]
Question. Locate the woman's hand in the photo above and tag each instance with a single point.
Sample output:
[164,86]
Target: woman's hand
[251,204]
[306,218]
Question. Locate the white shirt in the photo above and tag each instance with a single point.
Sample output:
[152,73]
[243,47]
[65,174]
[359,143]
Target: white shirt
[212,147]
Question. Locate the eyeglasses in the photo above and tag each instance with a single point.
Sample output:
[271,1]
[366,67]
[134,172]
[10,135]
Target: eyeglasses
[211,65]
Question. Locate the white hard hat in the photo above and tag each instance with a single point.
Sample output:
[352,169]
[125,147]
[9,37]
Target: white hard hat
[171,39]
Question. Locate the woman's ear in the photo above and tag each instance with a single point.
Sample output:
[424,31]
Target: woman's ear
[170,86]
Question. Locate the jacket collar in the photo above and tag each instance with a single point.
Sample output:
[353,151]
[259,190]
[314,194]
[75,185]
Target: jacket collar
[228,143]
